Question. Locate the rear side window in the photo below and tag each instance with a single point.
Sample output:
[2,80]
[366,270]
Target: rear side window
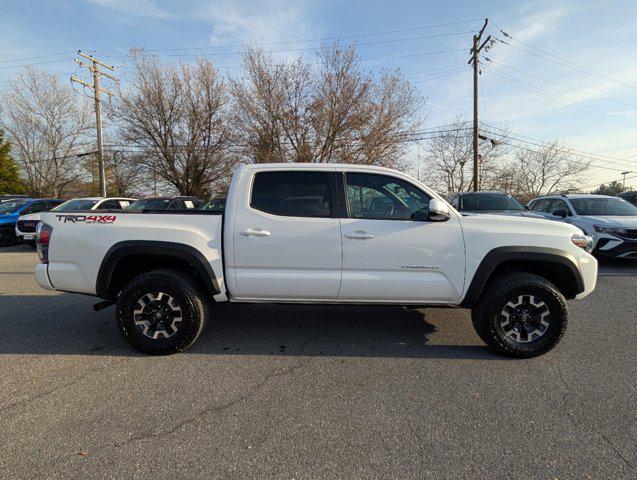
[36,207]
[292,194]
[541,205]
[109,205]
[53,203]
[557,204]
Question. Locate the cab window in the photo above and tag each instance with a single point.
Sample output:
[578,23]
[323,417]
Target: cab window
[381,197]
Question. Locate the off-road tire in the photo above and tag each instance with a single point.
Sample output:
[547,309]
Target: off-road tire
[186,294]
[486,315]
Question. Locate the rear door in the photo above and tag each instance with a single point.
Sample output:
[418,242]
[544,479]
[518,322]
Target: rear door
[287,237]
[390,251]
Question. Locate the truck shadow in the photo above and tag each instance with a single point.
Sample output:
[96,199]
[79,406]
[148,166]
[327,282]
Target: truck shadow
[65,324]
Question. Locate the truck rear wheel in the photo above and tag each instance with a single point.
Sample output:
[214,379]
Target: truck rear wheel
[521,315]
[161,312]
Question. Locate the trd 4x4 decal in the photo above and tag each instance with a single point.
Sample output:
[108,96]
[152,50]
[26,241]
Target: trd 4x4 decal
[86,218]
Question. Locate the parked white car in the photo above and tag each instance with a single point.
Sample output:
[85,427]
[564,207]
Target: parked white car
[610,221]
[26,226]
[320,233]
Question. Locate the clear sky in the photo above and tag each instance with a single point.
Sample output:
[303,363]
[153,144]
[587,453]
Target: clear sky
[569,71]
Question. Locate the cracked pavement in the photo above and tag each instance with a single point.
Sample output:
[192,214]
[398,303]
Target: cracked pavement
[305,392]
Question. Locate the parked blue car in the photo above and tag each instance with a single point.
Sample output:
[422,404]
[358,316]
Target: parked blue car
[10,210]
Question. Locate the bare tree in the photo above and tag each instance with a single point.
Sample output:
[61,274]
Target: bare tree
[449,159]
[47,123]
[126,174]
[176,115]
[328,112]
[547,169]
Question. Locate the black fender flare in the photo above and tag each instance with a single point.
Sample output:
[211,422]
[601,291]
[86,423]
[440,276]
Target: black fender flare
[540,255]
[127,248]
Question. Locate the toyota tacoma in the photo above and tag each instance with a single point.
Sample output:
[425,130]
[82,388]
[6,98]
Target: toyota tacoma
[320,233]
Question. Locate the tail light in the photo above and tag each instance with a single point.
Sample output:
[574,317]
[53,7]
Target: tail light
[42,239]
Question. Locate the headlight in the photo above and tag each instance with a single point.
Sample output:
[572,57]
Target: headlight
[582,241]
[610,230]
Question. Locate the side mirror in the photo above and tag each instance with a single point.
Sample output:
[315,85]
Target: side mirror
[438,211]
[560,213]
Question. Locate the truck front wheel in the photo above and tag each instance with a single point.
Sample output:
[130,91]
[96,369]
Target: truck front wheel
[161,312]
[520,315]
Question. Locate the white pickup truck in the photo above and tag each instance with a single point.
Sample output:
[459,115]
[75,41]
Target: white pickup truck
[320,233]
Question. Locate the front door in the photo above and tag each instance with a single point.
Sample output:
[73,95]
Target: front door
[390,251]
[287,241]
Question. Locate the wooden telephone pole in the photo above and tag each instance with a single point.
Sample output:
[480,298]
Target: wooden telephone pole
[475,54]
[93,67]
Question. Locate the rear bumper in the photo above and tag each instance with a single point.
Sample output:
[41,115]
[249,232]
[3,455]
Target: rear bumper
[42,276]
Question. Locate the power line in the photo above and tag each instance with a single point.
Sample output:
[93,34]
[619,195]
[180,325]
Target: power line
[550,57]
[6,67]
[305,49]
[604,183]
[67,52]
[614,160]
[440,77]
[321,39]
[521,84]
[508,67]
[570,151]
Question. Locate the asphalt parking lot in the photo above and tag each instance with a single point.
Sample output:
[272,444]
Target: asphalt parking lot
[308,392]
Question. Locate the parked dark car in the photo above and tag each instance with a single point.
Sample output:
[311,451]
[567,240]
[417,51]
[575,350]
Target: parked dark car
[629,197]
[166,203]
[498,203]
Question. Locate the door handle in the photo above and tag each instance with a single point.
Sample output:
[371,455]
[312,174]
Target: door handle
[358,235]
[250,232]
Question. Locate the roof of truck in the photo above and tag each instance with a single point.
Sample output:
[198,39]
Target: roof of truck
[315,166]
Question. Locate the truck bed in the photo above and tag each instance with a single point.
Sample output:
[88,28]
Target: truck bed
[74,264]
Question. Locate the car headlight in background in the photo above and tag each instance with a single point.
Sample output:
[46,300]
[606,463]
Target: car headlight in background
[582,241]
[609,230]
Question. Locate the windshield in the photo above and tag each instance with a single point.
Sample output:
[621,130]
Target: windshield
[602,206]
[75,205]
[149,204]
[12,205]
[478,202]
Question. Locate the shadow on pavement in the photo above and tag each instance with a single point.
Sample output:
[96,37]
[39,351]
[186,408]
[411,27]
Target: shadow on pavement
[620,267]
[65,324]
[19,248]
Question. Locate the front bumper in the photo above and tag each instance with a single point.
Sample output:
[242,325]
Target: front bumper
[587,265]
[614,247]
[42,276]
[24,236]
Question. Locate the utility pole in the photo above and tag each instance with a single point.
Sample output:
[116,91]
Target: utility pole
[624,180]
[475,53]
[93,67]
